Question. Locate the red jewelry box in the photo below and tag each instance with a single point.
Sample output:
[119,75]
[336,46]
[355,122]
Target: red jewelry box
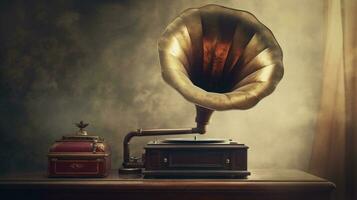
[79,155]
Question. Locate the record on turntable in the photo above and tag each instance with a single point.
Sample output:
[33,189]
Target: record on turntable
[217,58]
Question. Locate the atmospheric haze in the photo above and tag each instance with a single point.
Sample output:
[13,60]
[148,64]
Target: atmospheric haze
[97,61]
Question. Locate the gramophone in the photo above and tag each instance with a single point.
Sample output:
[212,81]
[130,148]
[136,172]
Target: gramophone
[218,58]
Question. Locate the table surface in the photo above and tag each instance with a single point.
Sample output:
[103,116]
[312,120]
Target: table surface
[262,184]
[258,176]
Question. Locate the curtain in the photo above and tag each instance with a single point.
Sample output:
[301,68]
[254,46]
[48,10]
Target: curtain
[334,152]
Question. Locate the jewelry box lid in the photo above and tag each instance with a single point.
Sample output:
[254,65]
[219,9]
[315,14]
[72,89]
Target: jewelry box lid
[79,143]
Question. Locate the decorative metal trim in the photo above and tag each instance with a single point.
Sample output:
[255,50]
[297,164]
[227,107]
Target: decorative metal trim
[74,154]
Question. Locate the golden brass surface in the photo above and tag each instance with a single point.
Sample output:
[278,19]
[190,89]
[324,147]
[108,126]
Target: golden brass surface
[220,58]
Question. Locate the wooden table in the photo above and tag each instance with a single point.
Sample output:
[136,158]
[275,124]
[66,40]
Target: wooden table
[262,185]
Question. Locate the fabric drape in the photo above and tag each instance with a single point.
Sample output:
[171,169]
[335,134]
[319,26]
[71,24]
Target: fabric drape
[335,145]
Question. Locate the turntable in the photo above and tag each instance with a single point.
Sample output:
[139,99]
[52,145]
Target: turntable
[219,59]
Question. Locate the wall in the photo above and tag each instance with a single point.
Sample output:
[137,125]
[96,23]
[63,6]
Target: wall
[97,61]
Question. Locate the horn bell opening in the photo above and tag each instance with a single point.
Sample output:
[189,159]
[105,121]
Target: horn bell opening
[220,58]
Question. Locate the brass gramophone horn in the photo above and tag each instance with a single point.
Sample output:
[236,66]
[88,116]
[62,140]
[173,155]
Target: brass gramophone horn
[219,59]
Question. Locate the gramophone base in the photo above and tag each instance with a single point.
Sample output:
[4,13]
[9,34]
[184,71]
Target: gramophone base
[196,158]
[196,174]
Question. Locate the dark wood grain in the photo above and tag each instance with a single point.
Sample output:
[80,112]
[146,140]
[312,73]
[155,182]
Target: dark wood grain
[262,184]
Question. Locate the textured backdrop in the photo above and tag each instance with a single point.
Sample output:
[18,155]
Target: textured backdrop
[97,61]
